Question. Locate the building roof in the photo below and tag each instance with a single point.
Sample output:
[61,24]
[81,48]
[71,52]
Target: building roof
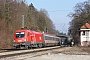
[86,26]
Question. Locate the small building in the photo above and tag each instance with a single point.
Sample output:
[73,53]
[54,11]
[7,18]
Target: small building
[85,35]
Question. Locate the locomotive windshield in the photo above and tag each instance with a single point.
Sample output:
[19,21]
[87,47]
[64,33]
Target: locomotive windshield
[20,34]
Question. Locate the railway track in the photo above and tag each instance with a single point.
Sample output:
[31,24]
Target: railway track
[21,52]
[8,50]
[32,53]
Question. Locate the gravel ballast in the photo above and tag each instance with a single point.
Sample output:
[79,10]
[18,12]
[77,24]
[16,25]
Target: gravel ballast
[74,53]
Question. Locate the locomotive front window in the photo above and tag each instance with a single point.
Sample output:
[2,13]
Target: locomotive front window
[20,34]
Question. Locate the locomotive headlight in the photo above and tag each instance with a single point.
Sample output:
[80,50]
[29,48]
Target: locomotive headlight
[62,42]
[72,43]
[25,40]
[13,40]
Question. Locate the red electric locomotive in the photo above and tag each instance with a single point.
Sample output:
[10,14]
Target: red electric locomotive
[24,38]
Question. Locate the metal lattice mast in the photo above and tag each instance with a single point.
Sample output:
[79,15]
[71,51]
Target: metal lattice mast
[22,21]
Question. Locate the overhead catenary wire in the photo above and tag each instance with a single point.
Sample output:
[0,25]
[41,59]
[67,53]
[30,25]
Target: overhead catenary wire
[59,10]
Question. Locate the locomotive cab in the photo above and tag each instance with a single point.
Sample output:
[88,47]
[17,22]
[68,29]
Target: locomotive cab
[21,39]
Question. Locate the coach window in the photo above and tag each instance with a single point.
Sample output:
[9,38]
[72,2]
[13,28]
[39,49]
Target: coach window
[50,38]
[46,38]
[57,39]
[53,38]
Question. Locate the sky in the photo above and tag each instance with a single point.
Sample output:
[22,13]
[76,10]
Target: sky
[57,10]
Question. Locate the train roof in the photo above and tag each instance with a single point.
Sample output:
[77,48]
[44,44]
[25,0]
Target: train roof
[62,35]
[26,30]
[51,35]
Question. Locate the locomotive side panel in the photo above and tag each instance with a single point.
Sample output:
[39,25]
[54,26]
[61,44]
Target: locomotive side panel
[38,37]
[29,36]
